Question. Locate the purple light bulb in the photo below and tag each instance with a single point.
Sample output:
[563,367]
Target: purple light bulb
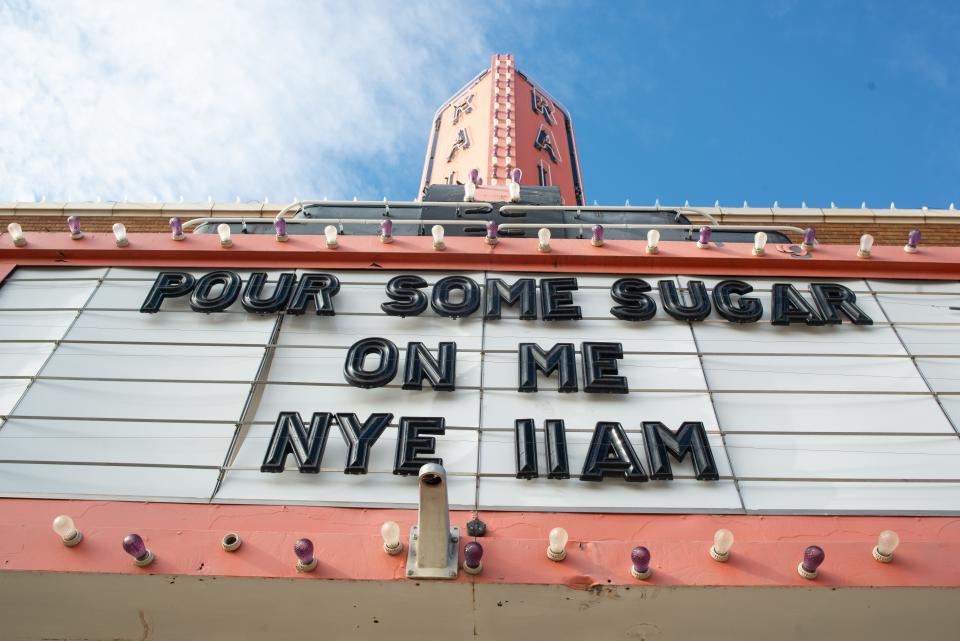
[492,227]
[474,176]
[913,238]
[597,239]
[134,546]
[73,223]
[176,228]
[809,236]
[303,548]
[280,227]
[386,228]
[472,557]
[705,234]
[813,558]
[516,175]
[640,558]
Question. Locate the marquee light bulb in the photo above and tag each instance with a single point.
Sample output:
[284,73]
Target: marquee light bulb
[557,551]
[16,234]
[330,233]
[640,563]
[223,230]
[67,530]
[390,532]
[513,188]
[653,241]
[472,558]
[386,231]
[73,224]
[759,243]
[597,236]
[474,177]
[176,229]
[544,239]
[120,233]
[866,245]
[704,241]
[813,558]
[280,229]
[516,175]
[913,239]
[809,238]
[306,561]
[135,547]
[492,230]
[469,191]
[437,233]
[722,542]
[887,542]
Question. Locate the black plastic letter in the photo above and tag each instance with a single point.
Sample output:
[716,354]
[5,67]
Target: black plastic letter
[561,358]
[167,285]
[441,299]
[611,454]
[252,300]
[524,291]
[832,299]
[555,439]
[790,307]
[600,368]
[360,438]
[556,300]
[746,310]
[405,292]
[412,442]
[690,438]
[202,299]
[635,304]
[354,369]
[525,439]
[320,288]
[420,364]
[291,437]
[697,310]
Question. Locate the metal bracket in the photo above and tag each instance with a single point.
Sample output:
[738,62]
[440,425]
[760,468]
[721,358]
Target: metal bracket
[453,558]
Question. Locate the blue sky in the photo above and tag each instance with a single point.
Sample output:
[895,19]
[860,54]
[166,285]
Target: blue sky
[819,101]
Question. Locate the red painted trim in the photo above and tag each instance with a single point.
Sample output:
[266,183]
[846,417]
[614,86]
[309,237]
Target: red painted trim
[186,541]
[5,270]
[572,256]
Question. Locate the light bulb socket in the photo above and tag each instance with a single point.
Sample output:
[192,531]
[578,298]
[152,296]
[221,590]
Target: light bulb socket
[226,244]
[807,246]
[910,249]
[759,251]
[477,569]
[702,245]
[863,254]
[641,576]
[596,242]
[145,560]
[883,558]
[77,235]
[491,240]
[652,249]
[122,242]
[231,542]
[74,540]
[395,550]
[307,567]
[556,556]
[332,244]
[282,238]
[176,236]
[543,247]
[386,240]
[20,242]
[439,245]
[805,573]
[716,556]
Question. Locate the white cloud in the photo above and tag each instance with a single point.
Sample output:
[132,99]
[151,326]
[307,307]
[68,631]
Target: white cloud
[137,100]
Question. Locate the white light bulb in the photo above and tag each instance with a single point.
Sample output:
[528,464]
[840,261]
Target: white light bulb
[866,245]
[887,542]
[223,230]
[66,529]
[330,233]
[544,237]
[514,190]
[653,241]
[120,233]
[469,191]
[558,542]
[437,233]
[390,532]
[759,243]
[16,234]
[722,542]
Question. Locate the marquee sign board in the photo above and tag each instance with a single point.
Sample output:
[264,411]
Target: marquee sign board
[537,391]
